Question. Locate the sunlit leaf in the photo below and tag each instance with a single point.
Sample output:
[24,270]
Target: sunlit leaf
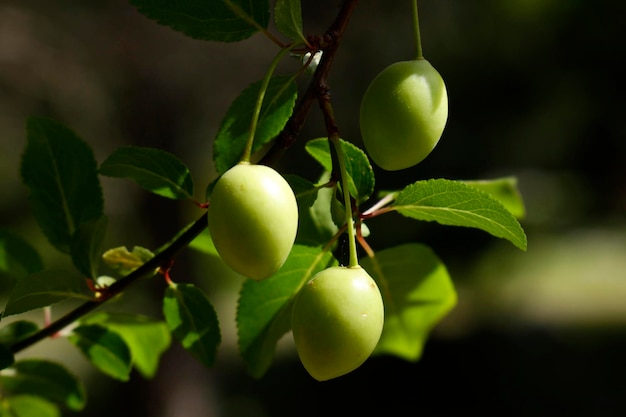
[360,172]
[123,261]
[204,243]
[233,132]
[454,203]
[146,338]
[45,379]
[264,307]
[45,288]
[28,406]
[504,190]
[61,174]
[417,292]
[191,318]
[105,349]
[155,170]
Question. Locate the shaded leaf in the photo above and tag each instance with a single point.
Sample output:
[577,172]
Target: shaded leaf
[454,203]
[60,172]
[417,293]
[15,331]
[45,288]
[360,172]
[155,170]
[264,307]
[6,356]
[212,20]
[17,257]
[86,246]
[191,318]
[233,132]
[44,379]
[146,338]
[288,19]
[315,223]
[105,349]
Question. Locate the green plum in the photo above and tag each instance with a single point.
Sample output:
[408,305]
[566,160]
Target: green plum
[337,320]
[403,114]
[253,219]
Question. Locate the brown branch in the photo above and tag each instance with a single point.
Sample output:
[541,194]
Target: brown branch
[162,258]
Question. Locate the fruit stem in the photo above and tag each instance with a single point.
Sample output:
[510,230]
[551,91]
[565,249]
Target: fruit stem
[247,152]
[416,27]
[345,187]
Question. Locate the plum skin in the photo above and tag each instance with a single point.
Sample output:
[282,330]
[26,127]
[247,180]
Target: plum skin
[253,219]
[337,320]
[403,114]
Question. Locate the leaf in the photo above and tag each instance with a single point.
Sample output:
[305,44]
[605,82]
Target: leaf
[86,246]
[305,191]
[264,307]
[315,223]
[288,19]
[360,172]
[60,172]
[45,288]
[105,349]
[146,338]
[124,262]
[504,190]
[454,203]
[233,132]
[28,406]
[191,318]
[15,331]
[155,170]
[417,292]
[17,257]
[45,379]
[204,243]
[211,20]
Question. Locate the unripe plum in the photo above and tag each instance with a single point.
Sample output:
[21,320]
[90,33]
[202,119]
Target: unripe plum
[403,114]
[253,219]
[337,320]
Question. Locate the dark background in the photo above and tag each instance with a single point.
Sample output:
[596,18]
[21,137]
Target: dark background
[536,91]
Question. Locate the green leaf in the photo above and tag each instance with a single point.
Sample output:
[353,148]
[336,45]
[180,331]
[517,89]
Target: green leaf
[360,172]
[211,20]
[15,331]
[204,243]
[146,338]
[417,292]
[305,191]
[28,406]
[233,132]
[61,174]
[17,257]
[264,308]
[191,318]
[45,288]
[86,246]
[315,223]
[454,203]
[288,19]
[504,190]
[45,379]
[104,348]
[124,262]
[155,170]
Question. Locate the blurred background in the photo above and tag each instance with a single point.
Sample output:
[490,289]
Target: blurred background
[536,91]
